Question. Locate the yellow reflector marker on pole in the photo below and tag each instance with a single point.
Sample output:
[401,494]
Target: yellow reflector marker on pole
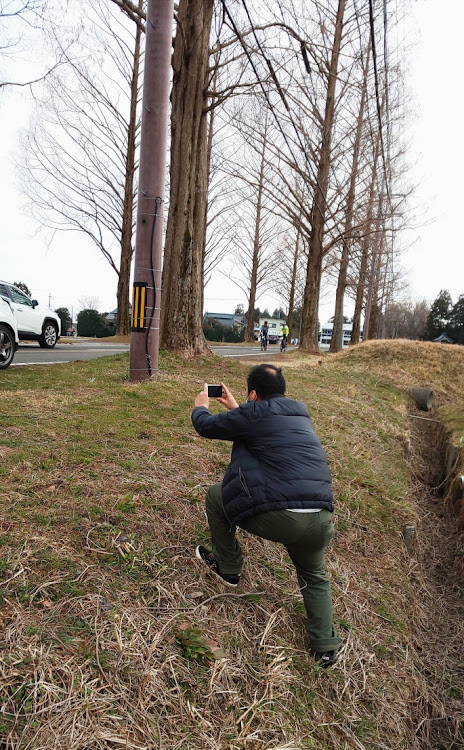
[139,301]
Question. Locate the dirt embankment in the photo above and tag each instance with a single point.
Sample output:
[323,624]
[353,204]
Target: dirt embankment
[437,575]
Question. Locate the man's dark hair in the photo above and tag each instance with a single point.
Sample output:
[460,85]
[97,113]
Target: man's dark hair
[266,380]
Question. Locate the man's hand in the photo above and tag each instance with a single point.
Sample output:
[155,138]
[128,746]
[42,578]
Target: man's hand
[227,399]
[202,398]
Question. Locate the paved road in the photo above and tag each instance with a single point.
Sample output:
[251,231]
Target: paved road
[33,354]
[247,351]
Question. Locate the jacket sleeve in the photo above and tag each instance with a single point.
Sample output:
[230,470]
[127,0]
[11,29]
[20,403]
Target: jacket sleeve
[229,425]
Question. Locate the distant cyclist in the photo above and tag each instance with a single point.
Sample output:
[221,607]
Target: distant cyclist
[264,334]
[284,331]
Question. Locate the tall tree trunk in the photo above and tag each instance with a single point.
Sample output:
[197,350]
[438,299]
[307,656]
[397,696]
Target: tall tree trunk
[256,247]
[369,327]
[309,316]
[376,244]
[291,300]
[385,297]
[366,242]
[209,149]
[375,310]
[336,342]
[127,248]
[361,286]
[181,313]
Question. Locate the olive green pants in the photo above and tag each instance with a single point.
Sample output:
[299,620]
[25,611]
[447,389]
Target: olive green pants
[304,535]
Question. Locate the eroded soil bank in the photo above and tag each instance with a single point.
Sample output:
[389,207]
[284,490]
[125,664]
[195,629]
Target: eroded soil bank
[437,575]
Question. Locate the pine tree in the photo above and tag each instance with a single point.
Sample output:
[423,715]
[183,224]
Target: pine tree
[456,323]
[439,316]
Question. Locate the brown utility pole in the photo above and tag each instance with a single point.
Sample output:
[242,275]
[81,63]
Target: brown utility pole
[146,293]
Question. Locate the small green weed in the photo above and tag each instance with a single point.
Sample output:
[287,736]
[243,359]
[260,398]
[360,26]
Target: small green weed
[126,503]
[33,630]
[202,533]
[253,597]
[42,520]
[193,645]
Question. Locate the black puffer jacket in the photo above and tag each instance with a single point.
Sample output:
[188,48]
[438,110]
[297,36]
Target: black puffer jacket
[277,459]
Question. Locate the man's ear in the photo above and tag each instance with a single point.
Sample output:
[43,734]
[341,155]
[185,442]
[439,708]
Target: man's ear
[252,396]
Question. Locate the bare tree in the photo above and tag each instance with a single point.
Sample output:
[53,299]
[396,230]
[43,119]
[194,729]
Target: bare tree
[194,95]
[185,246]
[298,64]
[79,153]
[255,256]
[21,24]
[293,283]
[89,303]
[181,314]
[337,331]
[365,245]
[309,323]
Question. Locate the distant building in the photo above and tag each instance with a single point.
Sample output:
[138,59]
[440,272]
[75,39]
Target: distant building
[443,339]
[111,316]
[325,335]
[227,319]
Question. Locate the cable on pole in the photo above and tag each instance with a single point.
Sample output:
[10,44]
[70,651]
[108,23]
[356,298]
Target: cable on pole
[377,93]
[158,202]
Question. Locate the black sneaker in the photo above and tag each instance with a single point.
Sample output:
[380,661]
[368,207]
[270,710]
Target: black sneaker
[325,659]
[209,558]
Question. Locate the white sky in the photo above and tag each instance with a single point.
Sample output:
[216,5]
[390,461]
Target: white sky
[71,268]
[436,260]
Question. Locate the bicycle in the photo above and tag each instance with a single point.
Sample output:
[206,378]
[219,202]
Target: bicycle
[283,344]
[263,340]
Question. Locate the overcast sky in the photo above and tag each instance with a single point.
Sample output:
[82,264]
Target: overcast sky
[70,268]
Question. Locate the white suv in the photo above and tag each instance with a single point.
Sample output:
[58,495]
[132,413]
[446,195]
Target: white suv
[38,324]
[8,335]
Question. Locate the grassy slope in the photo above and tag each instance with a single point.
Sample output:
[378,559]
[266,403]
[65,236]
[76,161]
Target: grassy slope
[101,504]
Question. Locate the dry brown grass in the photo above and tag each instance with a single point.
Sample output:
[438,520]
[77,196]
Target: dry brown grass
[408,363]
[437,574]
[100,510]
[116,339]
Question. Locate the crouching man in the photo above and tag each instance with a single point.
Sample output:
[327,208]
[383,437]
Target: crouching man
[277,487]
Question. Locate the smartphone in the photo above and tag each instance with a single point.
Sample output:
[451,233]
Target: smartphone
[214,391]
